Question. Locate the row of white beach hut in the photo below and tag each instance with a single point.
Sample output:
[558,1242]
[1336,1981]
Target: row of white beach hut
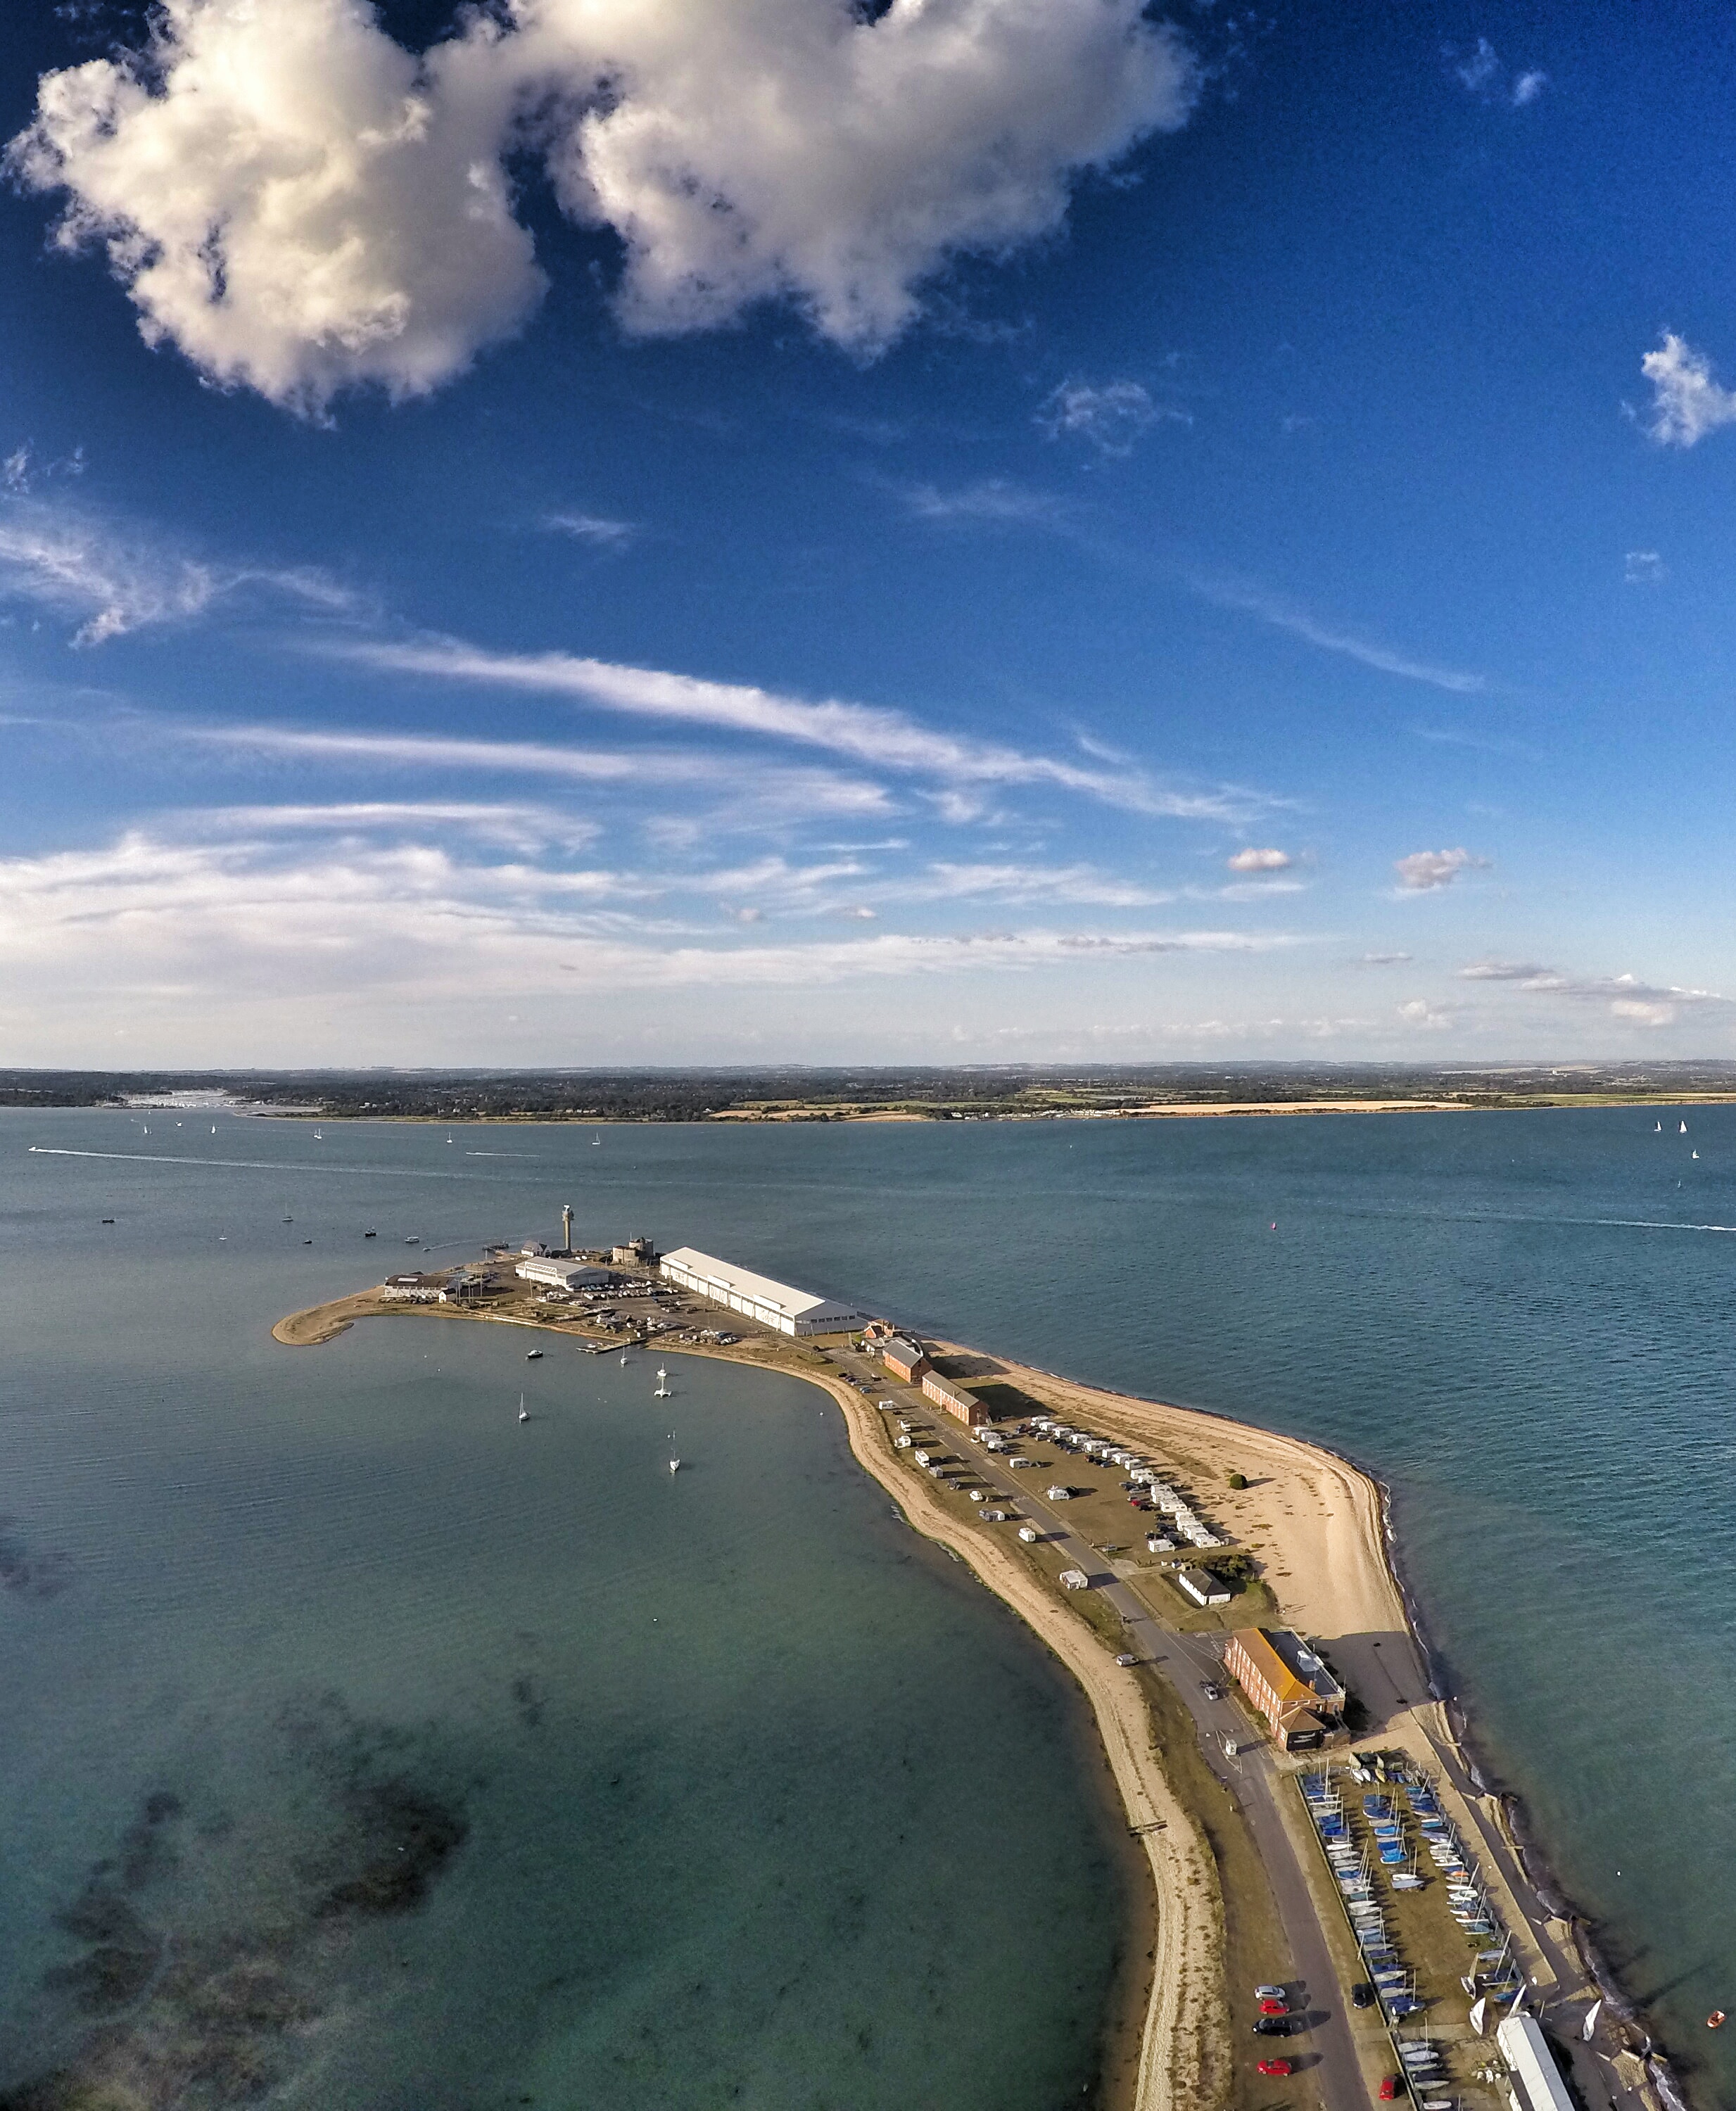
[1186,1524]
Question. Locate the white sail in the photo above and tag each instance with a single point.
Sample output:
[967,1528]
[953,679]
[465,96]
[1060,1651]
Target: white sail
[1479,2010]
[1589,2028]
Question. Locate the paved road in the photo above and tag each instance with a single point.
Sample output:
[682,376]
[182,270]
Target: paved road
[1188,1661]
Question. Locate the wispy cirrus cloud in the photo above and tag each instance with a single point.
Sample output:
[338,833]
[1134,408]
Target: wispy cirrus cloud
[1480,71]
[1112,416]
[1285,614]
[526,827]
[873,735]
[994,499]
[595,528]
[108,579]
[819,791]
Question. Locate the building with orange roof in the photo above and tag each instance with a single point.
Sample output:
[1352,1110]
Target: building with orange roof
[1288,1684]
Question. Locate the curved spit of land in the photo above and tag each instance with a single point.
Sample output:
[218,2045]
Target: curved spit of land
[1240,1890]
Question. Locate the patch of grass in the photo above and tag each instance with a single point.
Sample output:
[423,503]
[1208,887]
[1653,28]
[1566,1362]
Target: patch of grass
[1255,1951]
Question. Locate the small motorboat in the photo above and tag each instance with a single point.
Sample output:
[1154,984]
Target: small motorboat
[533,1356]
[1715,2021]
[371,1234]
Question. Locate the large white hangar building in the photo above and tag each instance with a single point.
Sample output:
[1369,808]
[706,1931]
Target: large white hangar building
[777,1304]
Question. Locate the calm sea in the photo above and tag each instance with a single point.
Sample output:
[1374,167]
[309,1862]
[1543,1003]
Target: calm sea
[726,1790]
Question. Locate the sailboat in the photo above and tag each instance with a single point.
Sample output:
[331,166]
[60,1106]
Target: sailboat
[1658,1129]
[318,1136]
[1587,2030]
[624,1360]
[1479,2010]
[674,1465]
[1683,1131]
[524,1412]
[662,1392]
[1693,1154]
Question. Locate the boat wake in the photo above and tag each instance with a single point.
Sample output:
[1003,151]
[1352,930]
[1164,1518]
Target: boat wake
[247,1165]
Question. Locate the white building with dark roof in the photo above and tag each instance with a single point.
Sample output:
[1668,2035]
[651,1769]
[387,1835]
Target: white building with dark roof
[777,1304]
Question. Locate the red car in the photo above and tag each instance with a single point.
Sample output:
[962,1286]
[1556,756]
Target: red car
[1276,2066]
[1389,2088]
[1274,2008]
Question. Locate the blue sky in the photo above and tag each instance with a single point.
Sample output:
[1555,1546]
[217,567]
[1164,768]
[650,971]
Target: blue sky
[1003,530]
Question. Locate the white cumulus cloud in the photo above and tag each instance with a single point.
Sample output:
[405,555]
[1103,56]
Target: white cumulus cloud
[1687,403]
[1423,871]
[302,205]
[1259,860]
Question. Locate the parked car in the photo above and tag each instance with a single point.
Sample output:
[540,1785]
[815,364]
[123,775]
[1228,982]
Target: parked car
[1276,2066]
[1211,1692]
[1126,1661]
[1273,2027]
[1389,2088]
[1362,1995]
[1269,2008]
[1269,1993]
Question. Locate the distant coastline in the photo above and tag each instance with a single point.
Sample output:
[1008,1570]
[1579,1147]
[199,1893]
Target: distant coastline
[794,1096]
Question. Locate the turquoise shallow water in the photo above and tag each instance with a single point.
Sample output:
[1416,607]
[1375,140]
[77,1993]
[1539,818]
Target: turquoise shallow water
[1512,1318]
[364,1747]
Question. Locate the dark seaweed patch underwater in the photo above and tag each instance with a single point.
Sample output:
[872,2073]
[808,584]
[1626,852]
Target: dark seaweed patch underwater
[178,2000]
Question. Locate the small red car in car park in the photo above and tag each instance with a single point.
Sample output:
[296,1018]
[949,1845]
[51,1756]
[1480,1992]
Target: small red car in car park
[1276,2066]
[1389,2088]
[1274,2008]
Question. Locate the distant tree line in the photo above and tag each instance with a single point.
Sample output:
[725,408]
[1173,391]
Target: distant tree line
[939,1093]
